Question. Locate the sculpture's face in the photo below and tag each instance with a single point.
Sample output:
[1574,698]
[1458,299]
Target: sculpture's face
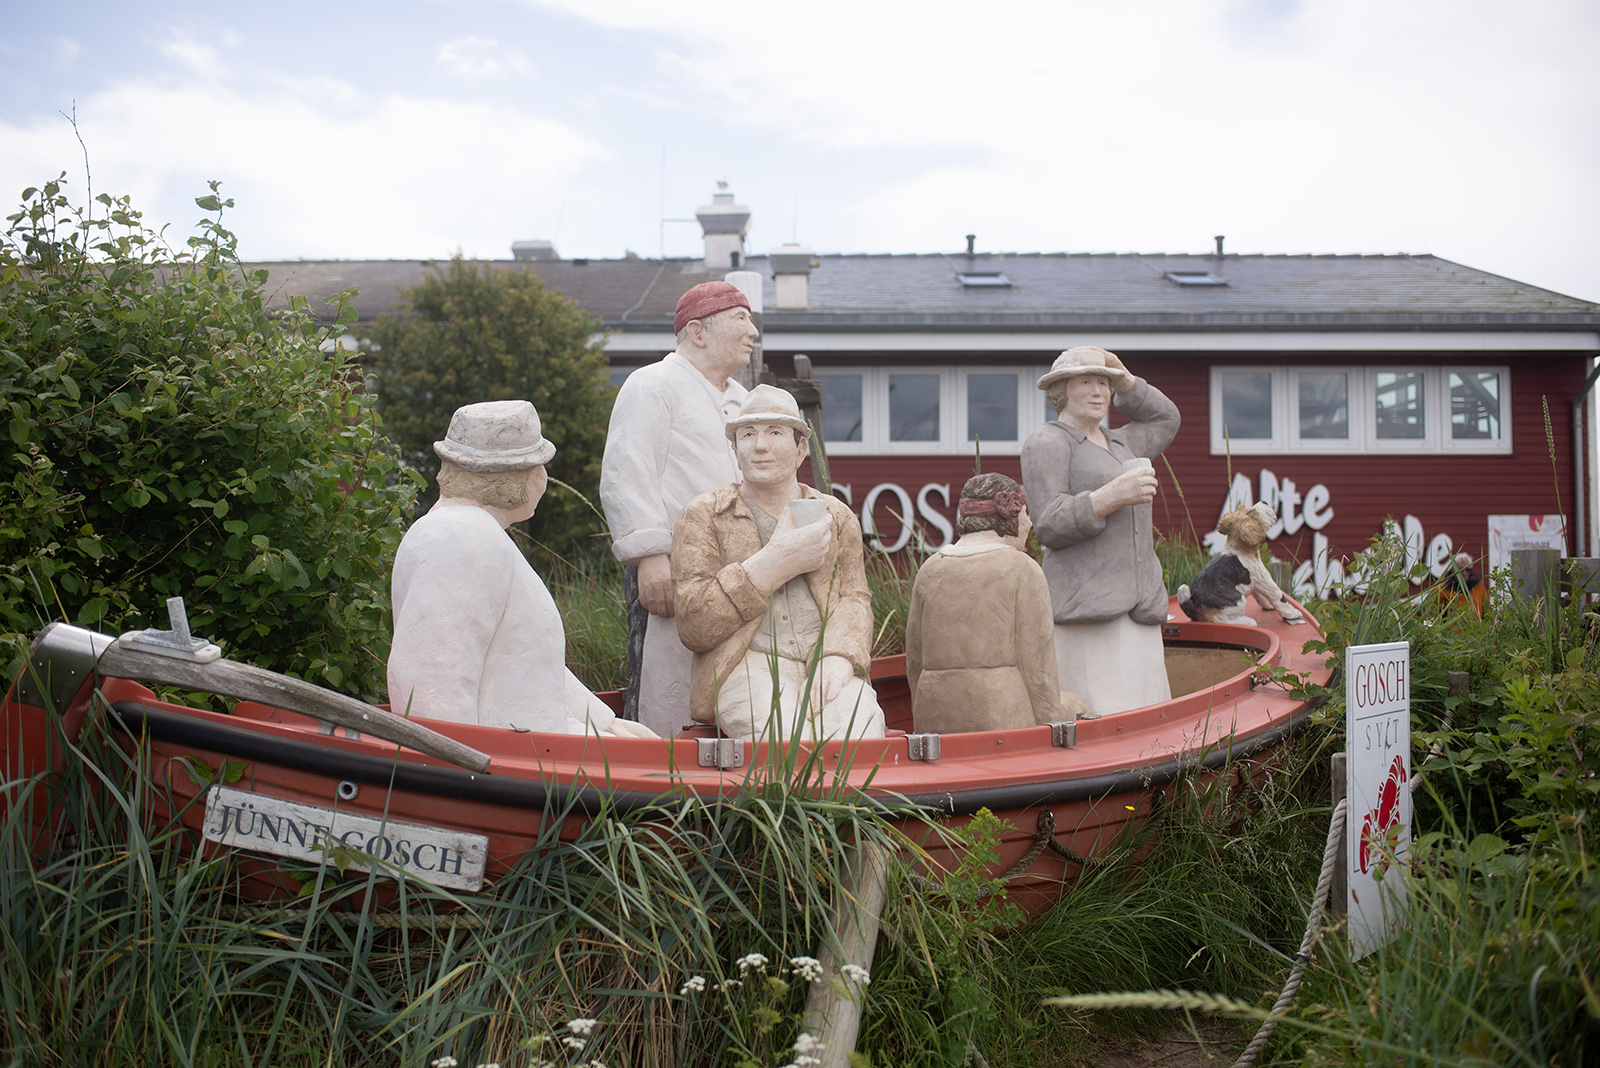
[729,336]
[1088,399]
[768,454]
[1019,540]
[538,482]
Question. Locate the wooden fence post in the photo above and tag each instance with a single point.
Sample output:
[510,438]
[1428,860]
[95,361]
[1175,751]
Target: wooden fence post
[1535,576]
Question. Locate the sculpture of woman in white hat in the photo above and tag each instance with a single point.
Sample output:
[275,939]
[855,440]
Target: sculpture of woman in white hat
[477,637]
[1089,493]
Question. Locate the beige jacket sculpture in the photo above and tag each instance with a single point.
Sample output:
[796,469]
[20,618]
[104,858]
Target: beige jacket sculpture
[980,651]
[718,610]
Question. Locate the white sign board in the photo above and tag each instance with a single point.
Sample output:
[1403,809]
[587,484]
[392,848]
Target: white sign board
[246,820]
[1377,683]
[1507,532]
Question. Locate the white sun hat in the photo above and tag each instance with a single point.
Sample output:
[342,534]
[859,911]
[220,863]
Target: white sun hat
[768,404]
[495,436]
[1081,360]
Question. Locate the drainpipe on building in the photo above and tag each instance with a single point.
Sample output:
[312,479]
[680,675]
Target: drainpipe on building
[1580,544]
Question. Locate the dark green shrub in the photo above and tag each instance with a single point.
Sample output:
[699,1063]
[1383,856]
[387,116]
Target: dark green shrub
[476,333]
[167,436]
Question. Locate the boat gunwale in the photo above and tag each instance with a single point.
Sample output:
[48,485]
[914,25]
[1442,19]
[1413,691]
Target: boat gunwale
[250,743]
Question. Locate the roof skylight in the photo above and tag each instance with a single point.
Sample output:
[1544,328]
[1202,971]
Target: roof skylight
[1195,278]
[980,279]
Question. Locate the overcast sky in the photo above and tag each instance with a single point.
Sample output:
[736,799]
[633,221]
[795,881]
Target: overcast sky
[412,129]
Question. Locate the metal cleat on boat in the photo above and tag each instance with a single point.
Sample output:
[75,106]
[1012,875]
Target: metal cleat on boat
[176,643]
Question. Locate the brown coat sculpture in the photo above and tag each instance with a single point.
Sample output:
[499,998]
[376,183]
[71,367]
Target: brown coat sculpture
[719,611]
[980,652]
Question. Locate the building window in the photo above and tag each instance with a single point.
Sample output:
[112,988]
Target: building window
[1325,410]
[931,410]
[841,407]
[1474,405]
[1247,407]
[991,407]
[914,407]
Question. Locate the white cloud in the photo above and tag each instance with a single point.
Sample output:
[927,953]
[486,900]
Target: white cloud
[67,50]
[200,59]
[375,176]
[480,59]
[1326,125]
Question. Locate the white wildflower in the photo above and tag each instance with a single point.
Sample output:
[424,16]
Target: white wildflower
[580,1026]
[751,960]
[446,1061]
[574,1044]
[807,968]
[856,974]
[729,984]
[807,1043]
[693,985]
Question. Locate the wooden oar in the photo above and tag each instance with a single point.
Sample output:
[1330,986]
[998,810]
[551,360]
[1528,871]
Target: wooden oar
[833,1011]
[246,682]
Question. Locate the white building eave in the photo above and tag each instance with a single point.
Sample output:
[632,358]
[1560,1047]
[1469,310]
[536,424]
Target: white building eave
[1462,341]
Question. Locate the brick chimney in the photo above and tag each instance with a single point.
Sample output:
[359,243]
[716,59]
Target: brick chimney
[791,275]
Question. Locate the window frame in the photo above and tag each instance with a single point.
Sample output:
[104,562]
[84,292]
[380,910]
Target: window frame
[1363,439]
[953,416]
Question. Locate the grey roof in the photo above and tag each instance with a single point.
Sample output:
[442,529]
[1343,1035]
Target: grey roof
[1047,291]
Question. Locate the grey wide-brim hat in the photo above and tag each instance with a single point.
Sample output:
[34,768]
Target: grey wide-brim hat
[1081,360]
[768,404]
[495,436]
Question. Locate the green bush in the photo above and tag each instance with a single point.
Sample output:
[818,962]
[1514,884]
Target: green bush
[482,334]
[167,436]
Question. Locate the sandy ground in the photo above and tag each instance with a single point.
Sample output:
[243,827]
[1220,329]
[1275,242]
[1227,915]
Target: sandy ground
[1215,1048]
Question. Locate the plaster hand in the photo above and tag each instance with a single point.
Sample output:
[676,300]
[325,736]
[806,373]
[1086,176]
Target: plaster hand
[1113,360]
[836,675]
[655,584]
[1131,487]
[791,551]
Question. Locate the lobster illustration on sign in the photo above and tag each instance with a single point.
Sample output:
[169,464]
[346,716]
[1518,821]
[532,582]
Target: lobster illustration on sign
[1375,825]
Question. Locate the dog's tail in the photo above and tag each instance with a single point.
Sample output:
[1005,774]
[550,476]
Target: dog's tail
[1185,601]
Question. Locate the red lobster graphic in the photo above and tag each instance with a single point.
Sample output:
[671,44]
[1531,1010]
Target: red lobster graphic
[1375,825]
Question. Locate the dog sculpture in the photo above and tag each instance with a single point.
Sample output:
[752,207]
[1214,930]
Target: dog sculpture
[1218,593]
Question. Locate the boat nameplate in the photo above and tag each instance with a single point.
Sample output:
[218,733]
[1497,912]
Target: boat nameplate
[923,746]
[245,820]
[721,753]
[1064,733]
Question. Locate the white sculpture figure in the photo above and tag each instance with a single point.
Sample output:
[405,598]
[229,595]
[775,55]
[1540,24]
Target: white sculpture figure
[1089,493]
[1219,591]
[477,637]
[764,591]
[666,446]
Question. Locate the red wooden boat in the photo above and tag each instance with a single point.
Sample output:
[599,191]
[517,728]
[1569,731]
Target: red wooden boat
[1069,790]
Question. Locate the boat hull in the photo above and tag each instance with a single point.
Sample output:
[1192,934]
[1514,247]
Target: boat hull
[1089,794]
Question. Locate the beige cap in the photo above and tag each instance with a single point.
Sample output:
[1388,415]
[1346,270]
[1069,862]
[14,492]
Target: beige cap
[495,436]
[768,404]
[1081,360]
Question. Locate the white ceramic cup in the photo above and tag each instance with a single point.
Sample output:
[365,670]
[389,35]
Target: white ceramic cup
[808,510]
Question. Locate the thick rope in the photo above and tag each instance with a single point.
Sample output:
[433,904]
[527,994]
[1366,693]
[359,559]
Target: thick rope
[1330,857]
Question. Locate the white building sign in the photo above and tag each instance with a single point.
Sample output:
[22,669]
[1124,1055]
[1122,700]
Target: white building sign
[1378,785]
[246,820]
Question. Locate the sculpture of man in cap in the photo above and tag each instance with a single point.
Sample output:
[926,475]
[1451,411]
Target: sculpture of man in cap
[771,592]
[666,446]
[477,637]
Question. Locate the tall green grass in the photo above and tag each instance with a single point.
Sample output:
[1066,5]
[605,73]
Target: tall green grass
[124,946]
